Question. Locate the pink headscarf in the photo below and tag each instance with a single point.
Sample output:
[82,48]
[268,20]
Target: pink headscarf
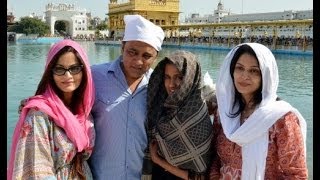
[75,126]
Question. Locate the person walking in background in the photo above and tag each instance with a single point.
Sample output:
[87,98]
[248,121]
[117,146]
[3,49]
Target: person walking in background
[54,135]
[256,135]
[179,126]
[120,107]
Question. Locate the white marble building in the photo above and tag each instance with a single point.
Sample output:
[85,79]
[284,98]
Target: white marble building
[269,16]
[75,19]
[216,17]
[222,15]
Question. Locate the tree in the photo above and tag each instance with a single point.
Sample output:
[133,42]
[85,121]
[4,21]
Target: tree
[28,25]
[102,26]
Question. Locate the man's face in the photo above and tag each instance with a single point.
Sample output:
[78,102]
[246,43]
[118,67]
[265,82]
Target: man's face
[137,59]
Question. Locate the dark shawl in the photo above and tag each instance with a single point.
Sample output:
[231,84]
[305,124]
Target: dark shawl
[180,122]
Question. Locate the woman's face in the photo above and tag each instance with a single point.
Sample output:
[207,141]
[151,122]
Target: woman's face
[247,75]
[67,81]
[172,78]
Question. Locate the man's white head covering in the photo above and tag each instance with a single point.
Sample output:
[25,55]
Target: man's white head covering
[140,29]
[252,135]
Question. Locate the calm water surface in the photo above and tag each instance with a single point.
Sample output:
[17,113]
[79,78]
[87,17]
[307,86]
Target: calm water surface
[26,64]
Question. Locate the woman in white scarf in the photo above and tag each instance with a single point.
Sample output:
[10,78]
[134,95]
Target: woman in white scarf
[257,135]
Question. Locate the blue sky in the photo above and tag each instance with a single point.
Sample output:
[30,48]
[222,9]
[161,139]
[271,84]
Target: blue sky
[99,7]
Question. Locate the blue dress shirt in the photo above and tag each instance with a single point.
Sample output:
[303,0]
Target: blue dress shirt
[120,118]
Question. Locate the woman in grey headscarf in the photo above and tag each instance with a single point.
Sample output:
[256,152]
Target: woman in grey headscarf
[257,135]
[179,126]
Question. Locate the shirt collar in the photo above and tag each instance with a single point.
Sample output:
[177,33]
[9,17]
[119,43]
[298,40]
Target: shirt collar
[115,65]
[116,68]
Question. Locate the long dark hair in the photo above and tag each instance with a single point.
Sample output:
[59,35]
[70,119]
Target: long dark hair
[47,80]
[257,97]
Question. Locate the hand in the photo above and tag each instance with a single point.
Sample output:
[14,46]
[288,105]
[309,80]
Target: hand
[212,105]
[153,147]
[22,104]
[154,152]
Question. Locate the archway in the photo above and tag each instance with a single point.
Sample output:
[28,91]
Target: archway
[66,19]
[62,28]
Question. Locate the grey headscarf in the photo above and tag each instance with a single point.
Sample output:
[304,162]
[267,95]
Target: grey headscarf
[180,121]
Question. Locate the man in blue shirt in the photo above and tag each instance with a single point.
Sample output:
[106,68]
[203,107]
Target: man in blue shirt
[119,110]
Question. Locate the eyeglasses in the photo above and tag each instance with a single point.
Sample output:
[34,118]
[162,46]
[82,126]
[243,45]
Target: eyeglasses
[60,71]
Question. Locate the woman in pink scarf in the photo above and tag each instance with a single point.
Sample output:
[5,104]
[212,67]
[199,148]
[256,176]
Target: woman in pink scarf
[54,135]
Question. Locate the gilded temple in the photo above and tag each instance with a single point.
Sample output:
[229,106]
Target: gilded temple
[160,12]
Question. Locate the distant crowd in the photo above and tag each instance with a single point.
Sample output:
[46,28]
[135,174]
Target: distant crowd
[301,43]
[294,43]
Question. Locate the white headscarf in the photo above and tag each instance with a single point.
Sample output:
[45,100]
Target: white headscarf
[252,136]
